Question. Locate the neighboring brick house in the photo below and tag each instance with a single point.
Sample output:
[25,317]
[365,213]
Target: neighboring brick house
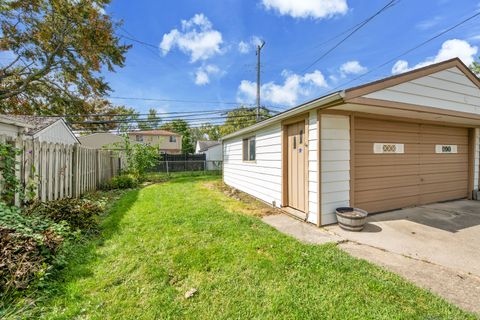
[167,141]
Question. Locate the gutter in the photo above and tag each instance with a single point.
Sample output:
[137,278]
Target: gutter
[307,106]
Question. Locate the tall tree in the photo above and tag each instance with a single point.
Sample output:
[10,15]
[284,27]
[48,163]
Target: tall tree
[153,121]
[475,67]
[181,127]
[206,131]
[242,117]
[57,48]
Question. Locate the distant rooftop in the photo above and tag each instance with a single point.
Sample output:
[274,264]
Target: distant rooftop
[34,123]
[205,145]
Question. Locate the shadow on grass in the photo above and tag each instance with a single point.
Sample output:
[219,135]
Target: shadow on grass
[80,256]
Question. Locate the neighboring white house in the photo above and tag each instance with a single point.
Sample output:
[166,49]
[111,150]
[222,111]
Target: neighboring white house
[403,141]
[213,151]
[45,129]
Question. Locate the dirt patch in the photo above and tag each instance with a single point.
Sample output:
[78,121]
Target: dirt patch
[247,204]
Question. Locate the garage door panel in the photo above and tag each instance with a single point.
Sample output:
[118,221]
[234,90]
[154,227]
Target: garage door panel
[443,158]
[443,139]
[444,196]
[366,148]
[386,159]
[386,182]
[391,204]
[387,193]
[442,167]
[419,175]
[386,137]
[446,131]
[380,125]
[441,177]
[444,186]
[430,148]
[385,171]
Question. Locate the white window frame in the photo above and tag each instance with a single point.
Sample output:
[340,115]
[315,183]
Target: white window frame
[247,144]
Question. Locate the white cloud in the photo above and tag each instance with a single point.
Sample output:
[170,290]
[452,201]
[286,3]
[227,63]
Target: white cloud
[245,47]
[430,23]
[317,9]
[450,49]
[203,73]
[197,38]
[288,93]
[352,67]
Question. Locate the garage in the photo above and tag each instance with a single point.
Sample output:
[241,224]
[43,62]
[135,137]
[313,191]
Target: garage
[400,164]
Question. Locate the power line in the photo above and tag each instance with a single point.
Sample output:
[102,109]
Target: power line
[361,25]
[408,51]
[173,100]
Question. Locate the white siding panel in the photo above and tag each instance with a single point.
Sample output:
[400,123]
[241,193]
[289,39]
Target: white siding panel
[312,168]
[263,178]
[449,89]
[58,132]
[335,165]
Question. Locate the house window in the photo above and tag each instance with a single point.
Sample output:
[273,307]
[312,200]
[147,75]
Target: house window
[139,138]
[249,149]
[173,139]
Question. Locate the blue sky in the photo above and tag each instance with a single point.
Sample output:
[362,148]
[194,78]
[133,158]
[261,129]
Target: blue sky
[203,50]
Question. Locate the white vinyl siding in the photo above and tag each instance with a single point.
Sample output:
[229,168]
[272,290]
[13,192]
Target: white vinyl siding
[57,132]
[312,167]
[448,89]
[335,135]
[263,177]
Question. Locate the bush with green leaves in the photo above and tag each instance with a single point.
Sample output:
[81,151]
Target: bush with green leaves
[29,247]
[78,214]
[124,181]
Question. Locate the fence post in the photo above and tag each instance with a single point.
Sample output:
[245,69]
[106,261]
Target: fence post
[74,170]
[166,162]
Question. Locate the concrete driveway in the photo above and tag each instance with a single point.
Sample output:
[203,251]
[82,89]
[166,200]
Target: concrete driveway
[436,246]
[446,234]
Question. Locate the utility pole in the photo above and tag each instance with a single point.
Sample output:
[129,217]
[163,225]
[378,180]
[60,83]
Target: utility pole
[259,51]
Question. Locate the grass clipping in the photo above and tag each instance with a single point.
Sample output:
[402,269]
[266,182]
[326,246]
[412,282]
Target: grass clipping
[244,203]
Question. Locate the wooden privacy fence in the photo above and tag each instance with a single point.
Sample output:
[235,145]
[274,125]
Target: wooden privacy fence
[55,171]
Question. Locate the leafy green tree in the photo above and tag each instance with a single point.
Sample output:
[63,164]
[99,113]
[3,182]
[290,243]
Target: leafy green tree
[139,157]
[475,67]
[181,127]
[206,131]
[58,49]
[152,123]
[241,118]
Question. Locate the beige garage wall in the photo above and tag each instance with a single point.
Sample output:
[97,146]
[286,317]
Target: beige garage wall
[335,163]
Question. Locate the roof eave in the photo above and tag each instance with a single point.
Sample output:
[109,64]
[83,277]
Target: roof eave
[328,99]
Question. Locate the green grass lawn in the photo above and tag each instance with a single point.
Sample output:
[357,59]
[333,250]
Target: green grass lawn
[165,239]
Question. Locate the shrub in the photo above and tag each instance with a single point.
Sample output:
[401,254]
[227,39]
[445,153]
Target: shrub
[123,181]
[29,245]
[78,214]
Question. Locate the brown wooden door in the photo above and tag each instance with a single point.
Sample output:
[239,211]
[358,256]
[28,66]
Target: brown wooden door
[417,176]
[296,165]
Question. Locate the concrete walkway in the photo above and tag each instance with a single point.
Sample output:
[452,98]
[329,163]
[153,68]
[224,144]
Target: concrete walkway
[402,250]
[300,230]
